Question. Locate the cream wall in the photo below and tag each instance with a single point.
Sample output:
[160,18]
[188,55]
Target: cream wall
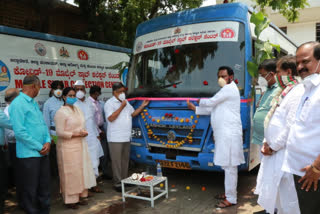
[304,29]
[302,32]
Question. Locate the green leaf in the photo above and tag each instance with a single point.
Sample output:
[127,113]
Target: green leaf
[260,22]
[277,47]
[252,69]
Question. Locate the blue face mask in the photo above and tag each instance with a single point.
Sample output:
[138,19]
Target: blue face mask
[71,101]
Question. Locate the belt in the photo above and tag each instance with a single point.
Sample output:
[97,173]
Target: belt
[52,128]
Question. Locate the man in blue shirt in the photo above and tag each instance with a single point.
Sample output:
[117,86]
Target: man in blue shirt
[50,107]
[4,123]
[33,145]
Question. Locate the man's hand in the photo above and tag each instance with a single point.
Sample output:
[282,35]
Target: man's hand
[145,103]
[123,103]
[309,178]
[266,150]
[45,149]
[191,105]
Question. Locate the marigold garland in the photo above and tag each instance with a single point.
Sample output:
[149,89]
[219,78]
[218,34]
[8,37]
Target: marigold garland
[169,143]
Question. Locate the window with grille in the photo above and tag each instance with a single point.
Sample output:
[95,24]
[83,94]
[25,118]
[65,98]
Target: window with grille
[318,32]
[284,29]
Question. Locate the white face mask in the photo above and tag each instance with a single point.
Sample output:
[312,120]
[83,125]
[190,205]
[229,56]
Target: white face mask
[262,82]
[222,82]
[80,95]
[122,96]
[57,93]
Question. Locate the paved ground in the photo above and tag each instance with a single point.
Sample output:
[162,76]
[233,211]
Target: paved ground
[180,201]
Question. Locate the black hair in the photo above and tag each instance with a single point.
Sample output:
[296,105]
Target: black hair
[56,83]
[66,91]
[316,52]
[288,62]
[30,80]
[229,70]
[270,65]
[94,89]
[117,86]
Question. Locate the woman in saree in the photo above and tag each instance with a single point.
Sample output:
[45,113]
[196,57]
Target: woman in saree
[75,168]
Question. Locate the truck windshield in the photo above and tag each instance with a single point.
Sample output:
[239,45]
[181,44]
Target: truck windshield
[188,70]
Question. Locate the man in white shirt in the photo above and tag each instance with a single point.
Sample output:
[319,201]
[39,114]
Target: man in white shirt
[302,155]
[276,188]
[95,92]
[94,146]
[224,108]
[119,115]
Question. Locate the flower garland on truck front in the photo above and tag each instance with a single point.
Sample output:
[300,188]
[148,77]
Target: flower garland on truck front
[169,143]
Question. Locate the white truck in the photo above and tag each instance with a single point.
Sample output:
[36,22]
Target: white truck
[58,58]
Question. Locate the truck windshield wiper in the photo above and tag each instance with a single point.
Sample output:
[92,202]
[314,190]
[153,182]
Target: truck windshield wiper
[167,86]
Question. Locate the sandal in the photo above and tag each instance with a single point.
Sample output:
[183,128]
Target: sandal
[96,190]
[220,196]
[83,202]
[224,204]
[72,206]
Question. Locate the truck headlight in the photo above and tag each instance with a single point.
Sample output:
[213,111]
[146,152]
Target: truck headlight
[136,133]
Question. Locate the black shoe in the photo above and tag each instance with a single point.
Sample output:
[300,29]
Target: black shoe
[118,189]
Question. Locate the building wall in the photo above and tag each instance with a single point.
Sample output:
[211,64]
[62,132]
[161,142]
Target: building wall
[304,29]
[302,32]
[57,18]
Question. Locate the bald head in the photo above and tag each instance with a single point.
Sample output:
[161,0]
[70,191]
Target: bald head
[10,94]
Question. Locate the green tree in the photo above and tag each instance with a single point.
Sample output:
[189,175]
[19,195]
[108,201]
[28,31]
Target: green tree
[115,21]
[288,8]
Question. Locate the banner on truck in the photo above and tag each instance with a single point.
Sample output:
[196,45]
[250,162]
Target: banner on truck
[51,61]
[225,31]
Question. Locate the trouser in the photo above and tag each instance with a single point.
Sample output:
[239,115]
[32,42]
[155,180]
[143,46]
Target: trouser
[75,198]
[120,154]
[105,159]
[309,202]
[3,177]
[12,166]
[230,183]
[53,158]
[34,184]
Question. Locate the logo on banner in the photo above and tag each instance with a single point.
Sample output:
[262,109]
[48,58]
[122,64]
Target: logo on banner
[64,52]
[40,49]
[82,55]
[227,33]
[139,47]
[177,30]
[4,76]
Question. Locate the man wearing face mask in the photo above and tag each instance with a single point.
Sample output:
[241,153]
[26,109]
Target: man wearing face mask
[302,155]
[224,108]
[276,189]
[33,145]
[95,92]
[50,107]
[94,145]
[267,71]
[119,114]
